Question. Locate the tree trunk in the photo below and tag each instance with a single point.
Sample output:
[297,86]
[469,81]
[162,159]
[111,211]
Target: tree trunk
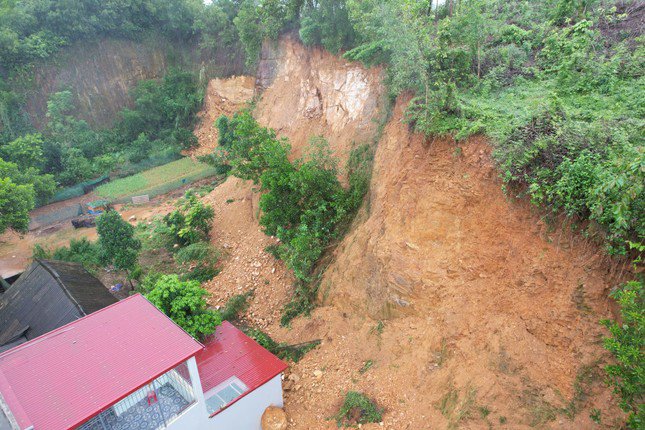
[479,61]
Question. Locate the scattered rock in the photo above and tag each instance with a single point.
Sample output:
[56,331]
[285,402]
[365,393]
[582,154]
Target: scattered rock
[318,373]
[132,218]
[274,418]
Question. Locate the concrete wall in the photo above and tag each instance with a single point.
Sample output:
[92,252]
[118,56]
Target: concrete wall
[246,413]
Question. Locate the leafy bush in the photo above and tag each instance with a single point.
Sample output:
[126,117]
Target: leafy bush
[627,343]
[199,259]
[15,203]
[357,408]
[191,222]
[117,242]
[185,303]
[79,251]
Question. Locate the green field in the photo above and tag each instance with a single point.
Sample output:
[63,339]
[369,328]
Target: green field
[156,181]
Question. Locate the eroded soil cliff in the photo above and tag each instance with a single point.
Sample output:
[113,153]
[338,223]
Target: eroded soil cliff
[447,303]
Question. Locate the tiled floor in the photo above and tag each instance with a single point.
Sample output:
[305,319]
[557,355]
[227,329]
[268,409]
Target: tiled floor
[142,416]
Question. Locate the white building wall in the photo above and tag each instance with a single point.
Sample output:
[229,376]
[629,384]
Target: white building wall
[245,414]
[196,416]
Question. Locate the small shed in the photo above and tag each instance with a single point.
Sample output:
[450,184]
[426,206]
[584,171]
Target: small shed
[48,295]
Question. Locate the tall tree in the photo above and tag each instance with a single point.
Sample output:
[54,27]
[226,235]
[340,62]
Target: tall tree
[15,203]
[118,245]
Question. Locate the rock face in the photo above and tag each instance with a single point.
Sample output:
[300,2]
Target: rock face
[274,418]
[309,92]
[101,73]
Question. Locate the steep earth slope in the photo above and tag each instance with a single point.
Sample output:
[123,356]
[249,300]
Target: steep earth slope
[491,314]
[448,304]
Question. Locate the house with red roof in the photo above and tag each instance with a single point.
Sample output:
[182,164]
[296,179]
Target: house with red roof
[128,366]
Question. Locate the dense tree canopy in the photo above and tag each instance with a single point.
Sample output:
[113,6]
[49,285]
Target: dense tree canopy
[118,245]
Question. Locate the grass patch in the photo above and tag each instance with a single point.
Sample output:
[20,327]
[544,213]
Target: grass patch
[367,365]
[356,409]
[235,306]
[282,350]
[455,409]
[585,377]
[156,181]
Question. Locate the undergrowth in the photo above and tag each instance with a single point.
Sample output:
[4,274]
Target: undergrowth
[235,306]
[282,350]
[356,409]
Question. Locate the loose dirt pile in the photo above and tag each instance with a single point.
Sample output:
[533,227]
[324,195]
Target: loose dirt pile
[223,97]
[498,320]
[449,305]
[246,265]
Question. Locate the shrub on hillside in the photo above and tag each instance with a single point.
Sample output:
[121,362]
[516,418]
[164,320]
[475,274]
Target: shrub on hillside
[627,342]
[185,303]
[191,222]
[357,409]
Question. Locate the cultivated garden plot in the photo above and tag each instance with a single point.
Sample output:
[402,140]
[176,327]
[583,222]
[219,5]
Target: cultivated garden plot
[159,180]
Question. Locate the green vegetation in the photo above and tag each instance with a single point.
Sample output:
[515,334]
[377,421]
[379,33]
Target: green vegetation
[197,261]
[356,409]
[117,246]
[184,302]
[69,152]
[235,306]
[191,222]
[627,375]
[455,409]
[282,350]
[179,241]
[116,241]
[303,203]
[367,365]
[157,180]
[79,251]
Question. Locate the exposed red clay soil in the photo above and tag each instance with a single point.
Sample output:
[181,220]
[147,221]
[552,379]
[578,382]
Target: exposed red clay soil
[223,97]
[486,318]
[481,307]
[470,312]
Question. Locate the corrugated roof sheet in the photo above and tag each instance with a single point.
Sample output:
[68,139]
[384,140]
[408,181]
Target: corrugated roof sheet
[63,378]
[90,293]
[229,352]
[48,295]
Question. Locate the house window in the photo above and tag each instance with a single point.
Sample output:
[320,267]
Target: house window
[225,393]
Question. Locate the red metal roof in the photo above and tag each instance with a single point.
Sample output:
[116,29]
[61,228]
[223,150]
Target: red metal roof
[229,352]
[61,379]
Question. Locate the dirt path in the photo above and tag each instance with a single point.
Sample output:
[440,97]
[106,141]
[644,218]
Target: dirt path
[16,250]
